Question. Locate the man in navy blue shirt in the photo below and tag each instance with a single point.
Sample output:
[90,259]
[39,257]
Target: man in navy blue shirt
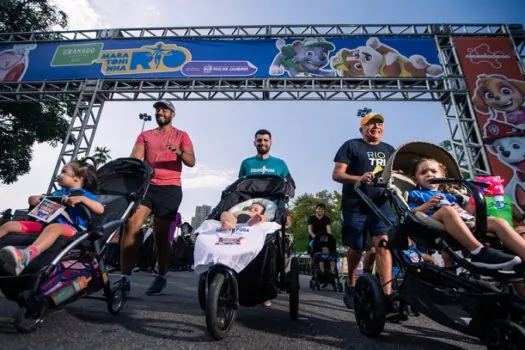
[355,162]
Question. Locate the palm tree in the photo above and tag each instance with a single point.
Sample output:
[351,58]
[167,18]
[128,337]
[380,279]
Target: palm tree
[101,155]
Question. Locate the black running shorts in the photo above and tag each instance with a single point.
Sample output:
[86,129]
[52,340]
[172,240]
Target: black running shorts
[164,201]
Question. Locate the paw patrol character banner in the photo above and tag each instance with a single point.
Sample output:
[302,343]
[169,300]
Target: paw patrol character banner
[261,58]
[497,88]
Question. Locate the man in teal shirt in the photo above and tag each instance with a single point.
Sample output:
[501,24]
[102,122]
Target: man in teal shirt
[263,163]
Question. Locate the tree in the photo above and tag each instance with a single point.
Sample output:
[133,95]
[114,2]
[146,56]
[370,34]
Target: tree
[23,124]
[304,206]
[101,155]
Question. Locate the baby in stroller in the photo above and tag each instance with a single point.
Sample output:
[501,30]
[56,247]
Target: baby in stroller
[250,215]
[324,252]
[79,185]
[245,264]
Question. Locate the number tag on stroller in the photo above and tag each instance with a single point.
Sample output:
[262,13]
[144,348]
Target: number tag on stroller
[46,210]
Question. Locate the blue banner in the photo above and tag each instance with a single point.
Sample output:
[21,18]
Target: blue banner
[260,58]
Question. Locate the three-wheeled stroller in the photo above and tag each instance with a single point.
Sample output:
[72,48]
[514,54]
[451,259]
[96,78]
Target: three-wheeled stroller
[327,277]
[482,307]
[245,265]
[74,268]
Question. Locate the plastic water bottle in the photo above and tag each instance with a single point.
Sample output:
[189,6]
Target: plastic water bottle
[67,291]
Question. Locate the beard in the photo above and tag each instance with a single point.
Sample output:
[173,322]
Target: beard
[262,151]
[162,121]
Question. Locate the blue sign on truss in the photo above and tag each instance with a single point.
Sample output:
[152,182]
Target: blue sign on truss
[261,58]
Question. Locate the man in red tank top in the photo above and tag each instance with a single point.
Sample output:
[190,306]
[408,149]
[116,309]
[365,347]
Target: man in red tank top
[165,149]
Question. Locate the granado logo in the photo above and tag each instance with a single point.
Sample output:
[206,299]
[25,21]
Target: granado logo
[156,58]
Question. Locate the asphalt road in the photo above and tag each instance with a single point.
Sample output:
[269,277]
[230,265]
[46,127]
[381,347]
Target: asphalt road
[175,321]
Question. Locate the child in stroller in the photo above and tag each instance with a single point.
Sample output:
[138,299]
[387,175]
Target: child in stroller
[79,185]
[481,307]
[324,252]
[73,267]
[245,265]
[250,215]
[442,207]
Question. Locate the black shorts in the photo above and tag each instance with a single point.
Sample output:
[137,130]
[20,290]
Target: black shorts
[164,201]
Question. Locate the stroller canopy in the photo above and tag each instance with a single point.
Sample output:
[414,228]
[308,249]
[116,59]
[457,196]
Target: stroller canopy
[405,157]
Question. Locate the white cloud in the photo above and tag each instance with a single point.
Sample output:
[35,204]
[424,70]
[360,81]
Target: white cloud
[201,177]
[81,14]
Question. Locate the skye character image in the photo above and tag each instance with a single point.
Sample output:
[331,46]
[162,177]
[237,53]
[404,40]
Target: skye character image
[378,59]
[502,98]
[13,62]
[508,143]
[306,58]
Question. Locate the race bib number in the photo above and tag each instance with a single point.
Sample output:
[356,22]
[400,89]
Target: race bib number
[46,210]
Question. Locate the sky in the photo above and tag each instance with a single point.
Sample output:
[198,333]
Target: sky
[306,134]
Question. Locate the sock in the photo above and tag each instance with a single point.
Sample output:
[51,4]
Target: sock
[30,253]
[126,278]
[476,251]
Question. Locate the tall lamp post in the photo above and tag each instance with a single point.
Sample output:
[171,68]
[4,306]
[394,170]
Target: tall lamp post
[363,112]
[146,118]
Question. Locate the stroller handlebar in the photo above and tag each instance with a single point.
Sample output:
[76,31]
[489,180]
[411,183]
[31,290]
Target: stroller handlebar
[461,181]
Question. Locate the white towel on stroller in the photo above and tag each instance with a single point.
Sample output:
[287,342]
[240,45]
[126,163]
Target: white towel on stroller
[234,248]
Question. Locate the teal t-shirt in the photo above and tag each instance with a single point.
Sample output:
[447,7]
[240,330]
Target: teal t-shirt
[259,166]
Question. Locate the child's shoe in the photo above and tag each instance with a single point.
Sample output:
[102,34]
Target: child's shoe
[13,259]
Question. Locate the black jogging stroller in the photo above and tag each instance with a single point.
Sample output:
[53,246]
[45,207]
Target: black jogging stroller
[73,268]
[476,302]
[327,277]
[221,290]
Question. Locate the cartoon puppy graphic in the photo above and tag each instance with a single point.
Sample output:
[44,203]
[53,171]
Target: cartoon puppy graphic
[508,143]
[306,58]
[500,97]
[378,59]
[347,64]
[394,64]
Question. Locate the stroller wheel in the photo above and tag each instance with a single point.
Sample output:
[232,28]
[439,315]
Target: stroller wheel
[369,305]
[505,334]
[27,321]
[294,289]
[220,310]
[116,300]
[202,291]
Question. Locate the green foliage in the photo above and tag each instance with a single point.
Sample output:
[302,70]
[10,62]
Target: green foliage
[101,155]
[304,206]
[30,16]
[23,124]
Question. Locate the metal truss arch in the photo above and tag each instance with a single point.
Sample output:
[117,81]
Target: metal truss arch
[90,95]
[264,32]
